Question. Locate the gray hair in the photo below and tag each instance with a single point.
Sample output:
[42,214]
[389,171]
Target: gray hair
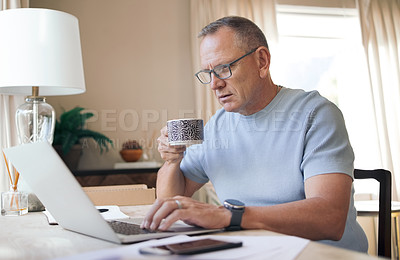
[247,34]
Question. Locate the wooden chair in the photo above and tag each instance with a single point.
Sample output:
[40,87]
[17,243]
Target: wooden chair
[385,208]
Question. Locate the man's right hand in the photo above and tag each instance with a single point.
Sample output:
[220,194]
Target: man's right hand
[169,153]
[170,178]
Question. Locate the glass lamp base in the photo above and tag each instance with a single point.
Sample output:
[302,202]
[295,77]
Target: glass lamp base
[35,120]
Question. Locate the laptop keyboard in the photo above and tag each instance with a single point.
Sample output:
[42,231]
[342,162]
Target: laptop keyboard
[128,228]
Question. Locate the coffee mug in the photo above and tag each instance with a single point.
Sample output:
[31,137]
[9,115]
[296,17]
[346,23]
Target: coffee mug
[185,131]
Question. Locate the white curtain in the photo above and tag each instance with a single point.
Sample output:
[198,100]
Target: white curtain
[261,12]
[8,105]
[380,24]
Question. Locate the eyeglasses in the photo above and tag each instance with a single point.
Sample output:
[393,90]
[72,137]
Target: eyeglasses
[222,71]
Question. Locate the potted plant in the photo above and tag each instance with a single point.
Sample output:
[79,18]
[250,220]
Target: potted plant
[69,130]
[131,151]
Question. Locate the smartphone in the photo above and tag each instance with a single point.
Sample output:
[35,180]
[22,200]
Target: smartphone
[191,247]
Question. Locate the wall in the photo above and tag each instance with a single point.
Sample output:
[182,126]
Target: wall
[137,62]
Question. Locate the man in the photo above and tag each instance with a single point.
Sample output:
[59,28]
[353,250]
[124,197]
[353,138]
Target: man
[284,162]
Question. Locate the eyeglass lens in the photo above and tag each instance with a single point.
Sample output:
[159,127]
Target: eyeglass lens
[221,71]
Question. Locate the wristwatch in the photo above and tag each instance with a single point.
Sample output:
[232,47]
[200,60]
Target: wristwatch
[237,209]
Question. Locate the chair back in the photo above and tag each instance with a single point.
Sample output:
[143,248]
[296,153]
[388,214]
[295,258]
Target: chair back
[385,206]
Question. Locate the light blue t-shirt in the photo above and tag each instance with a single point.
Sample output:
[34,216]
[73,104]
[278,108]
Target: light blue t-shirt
[263,159]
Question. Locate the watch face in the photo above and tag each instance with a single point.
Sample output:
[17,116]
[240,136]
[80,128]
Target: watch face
[234,203]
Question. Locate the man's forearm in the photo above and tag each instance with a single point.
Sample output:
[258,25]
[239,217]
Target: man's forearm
[322,215]
[310,218]
[170,181]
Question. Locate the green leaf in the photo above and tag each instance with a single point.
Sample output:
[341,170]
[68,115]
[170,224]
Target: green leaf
[70,129]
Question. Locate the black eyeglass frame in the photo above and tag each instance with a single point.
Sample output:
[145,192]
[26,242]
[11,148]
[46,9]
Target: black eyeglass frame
[228,65]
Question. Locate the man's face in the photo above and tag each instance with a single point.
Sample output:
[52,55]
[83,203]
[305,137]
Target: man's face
[239,93]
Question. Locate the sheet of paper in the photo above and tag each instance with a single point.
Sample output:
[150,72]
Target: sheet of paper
[254,247]
[113,212]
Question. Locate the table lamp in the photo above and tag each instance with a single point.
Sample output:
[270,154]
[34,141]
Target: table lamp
[40,52]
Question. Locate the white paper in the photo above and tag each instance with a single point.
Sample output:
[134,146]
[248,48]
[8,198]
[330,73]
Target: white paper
[113,213]
[254,247]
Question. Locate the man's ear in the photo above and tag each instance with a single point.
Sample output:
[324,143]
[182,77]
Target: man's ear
[264,58]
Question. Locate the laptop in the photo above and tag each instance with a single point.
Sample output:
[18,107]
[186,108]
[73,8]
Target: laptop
[56,187]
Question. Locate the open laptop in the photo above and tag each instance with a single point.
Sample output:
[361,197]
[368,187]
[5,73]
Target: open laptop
[56,187]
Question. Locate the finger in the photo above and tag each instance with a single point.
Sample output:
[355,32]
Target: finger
[163,138]
[164,146]
[163,142]
[178,147]
[164,131]
[149,216]
[168,207]
[175,215]
[183,212]
[179,204]
[178,214]
[183,198]
[168,156]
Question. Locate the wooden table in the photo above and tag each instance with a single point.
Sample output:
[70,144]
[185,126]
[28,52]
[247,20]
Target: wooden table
[31,237]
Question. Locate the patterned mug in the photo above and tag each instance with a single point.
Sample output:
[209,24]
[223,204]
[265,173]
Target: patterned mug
[185,131]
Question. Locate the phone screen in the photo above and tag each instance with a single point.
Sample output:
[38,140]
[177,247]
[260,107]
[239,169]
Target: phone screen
[192,247]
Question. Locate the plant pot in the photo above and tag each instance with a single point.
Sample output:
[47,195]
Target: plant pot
[131,155]
[72,158]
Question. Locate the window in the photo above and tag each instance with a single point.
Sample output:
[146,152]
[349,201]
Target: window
[321,49]
[312,44]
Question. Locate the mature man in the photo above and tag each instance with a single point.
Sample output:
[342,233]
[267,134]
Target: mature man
[286,164]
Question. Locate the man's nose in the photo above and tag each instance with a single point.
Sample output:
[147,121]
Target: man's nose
[216,83]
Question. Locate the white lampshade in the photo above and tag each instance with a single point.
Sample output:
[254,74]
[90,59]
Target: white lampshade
[40,47]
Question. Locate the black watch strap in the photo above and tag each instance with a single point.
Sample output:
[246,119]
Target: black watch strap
[237,209]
